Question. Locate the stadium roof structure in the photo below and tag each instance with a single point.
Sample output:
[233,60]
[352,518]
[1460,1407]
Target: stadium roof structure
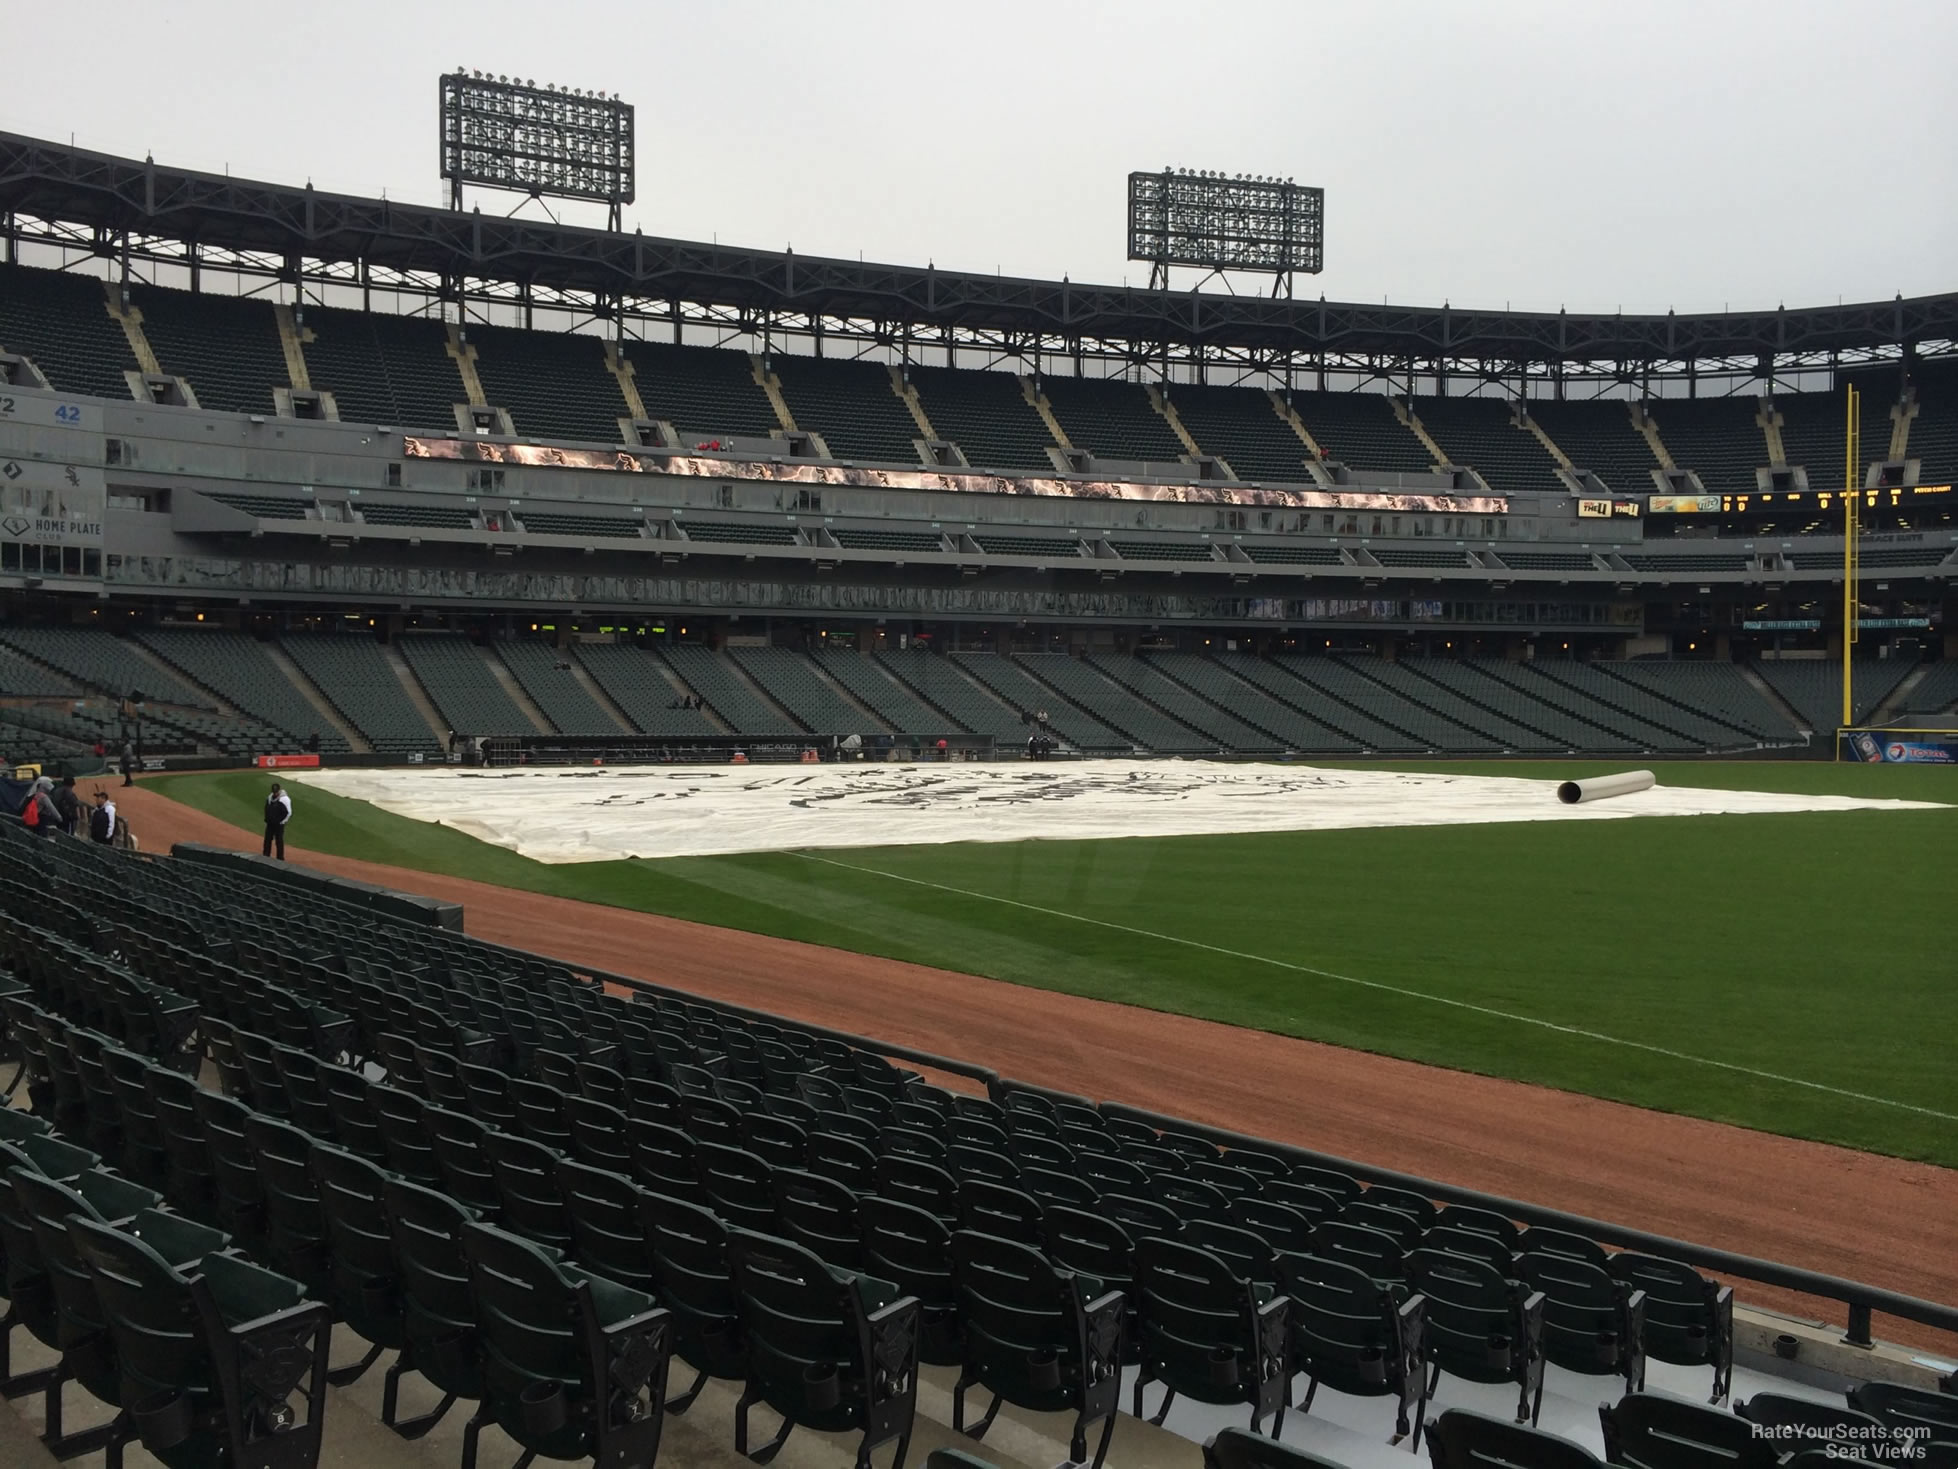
[131,209]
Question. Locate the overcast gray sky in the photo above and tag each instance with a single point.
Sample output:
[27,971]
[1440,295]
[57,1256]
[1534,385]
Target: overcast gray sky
[1538,153]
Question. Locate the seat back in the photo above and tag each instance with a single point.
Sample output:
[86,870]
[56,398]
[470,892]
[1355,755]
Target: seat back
[608,1232]
[665,1159]
[1652,1431]
[1380,1255]
[696,1282]
[1348,1330]
[910,1181]
[557,1376]
[1202,1333]
[819,1214]
[295,1222]
[826,1349]
[234,1169]
[457,1139]
[1459,1439]
[1000,1210]
[1022,1330]
[438,1311]
[1472,1317]
[530,1201]
[174,1097]
[1591,1323]
[598,1134]
[913,1248]
[1689,1320]
[366,1287]
[1238,1448]
[401,1118]
[1928,1419]
[739,1186]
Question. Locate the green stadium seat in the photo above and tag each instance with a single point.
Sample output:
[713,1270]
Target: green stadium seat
[827,1349]
[1044,1339]
[438,1309]
[241,1204]
[1356,1335]
[1652,1431]
[364,1283]
[1460,1439]
[1810,1426]
[1592,1324]
[1928,1419]
[608,1229]
[695,1274]
[530,1200]
[183,1343]
[1208,1334]
[1480,1326]
[1689,1319]
[574,1366]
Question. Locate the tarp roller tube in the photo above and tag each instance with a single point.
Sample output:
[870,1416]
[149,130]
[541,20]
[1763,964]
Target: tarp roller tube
[1602,787]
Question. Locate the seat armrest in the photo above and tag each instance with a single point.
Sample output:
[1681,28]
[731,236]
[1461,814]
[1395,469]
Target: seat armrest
[1272,1323]
[1100,1326]
[1529,1321]
[890,1337]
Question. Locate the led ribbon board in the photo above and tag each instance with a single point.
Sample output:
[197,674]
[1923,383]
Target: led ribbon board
[703,467]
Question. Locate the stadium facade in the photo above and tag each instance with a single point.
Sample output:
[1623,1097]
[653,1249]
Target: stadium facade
[270,409]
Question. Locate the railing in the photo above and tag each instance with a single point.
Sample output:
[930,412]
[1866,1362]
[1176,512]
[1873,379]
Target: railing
[1862,1301]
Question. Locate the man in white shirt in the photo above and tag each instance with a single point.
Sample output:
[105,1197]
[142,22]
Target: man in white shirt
[278,811]
[102,820]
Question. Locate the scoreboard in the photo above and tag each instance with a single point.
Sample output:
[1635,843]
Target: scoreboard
[1803,502]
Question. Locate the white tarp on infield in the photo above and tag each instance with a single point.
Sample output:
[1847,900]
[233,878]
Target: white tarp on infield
[588,815]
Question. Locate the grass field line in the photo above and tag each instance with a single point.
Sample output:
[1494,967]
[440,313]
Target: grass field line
[1374,984]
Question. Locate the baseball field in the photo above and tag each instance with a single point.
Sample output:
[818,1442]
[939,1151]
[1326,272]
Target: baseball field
[1789,972]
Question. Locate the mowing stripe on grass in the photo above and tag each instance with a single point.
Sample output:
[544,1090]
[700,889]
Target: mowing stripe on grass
[1374,984]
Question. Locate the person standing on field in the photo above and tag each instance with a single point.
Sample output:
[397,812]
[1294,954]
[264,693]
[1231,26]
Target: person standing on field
[278,811]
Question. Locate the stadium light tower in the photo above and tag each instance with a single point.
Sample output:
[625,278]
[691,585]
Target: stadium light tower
[504,133]
[1184,216]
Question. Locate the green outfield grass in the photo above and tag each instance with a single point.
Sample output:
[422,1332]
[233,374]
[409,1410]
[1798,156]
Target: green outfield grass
[1707,965]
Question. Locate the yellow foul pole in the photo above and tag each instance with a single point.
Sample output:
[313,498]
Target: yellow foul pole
[1852,496]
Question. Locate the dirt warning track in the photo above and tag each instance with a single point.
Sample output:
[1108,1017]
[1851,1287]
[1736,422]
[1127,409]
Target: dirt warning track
[1880,1220]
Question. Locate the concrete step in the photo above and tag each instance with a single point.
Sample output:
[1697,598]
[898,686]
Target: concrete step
[527,705]
[417,695]
[297,678]
[163,665]
[581,676]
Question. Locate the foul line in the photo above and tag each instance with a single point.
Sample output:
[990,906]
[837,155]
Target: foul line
[1374,984]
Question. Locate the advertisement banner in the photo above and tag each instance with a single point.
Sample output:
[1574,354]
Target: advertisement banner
[287,762]
[1912,747]
[1683,505]
[53,504]
[947,481]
